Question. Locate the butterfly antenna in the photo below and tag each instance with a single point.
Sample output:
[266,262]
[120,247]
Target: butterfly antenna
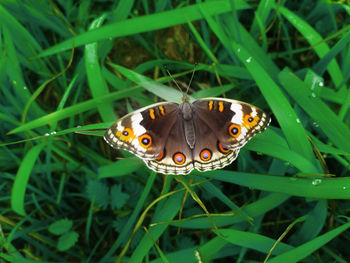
[172,78]
[189,84]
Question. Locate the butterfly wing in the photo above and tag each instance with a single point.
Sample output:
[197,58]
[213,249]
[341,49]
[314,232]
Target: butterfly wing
[144,132]
[223,127]
[233,122]
[176,157]
[209,153]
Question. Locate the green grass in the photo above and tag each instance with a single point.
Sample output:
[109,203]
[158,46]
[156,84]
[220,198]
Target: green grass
[69,70]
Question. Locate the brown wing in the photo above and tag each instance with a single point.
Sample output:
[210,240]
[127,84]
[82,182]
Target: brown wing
[176,157]
[209,153]
[144,132]
[233,122]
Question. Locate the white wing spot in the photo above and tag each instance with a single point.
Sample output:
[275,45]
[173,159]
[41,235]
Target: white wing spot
[254,113]
[243,133]
[136,144]
[120,127]
[136,127]
[238,117]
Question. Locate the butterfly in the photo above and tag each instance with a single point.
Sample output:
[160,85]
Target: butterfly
[174,138]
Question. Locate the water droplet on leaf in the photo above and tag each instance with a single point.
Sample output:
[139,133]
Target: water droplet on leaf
[316,182]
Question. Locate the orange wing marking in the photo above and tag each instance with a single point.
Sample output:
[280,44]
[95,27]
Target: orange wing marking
[211,105]
[161,110]
[151,114]
[221,106]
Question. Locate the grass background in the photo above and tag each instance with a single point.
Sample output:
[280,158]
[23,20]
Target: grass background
[70,66]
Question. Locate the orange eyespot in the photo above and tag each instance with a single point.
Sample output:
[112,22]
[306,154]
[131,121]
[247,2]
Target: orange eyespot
[234,130]
[250,121]
[179,158]
[145,140]
[161,156]
[126,135]
[205,155]
[222,148]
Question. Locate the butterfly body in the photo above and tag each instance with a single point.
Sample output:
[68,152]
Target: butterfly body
[176,138]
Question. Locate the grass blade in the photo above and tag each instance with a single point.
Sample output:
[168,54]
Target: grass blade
[21,181]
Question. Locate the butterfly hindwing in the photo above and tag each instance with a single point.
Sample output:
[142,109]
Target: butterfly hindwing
[209,153]
[176,157]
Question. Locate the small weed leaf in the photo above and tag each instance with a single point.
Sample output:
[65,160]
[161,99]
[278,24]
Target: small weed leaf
[133,190]
[67,240]
[118,198]
[119,224]
[60,226]
[98,192]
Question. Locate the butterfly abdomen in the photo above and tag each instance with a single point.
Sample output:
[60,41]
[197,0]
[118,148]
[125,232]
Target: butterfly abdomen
[189,129]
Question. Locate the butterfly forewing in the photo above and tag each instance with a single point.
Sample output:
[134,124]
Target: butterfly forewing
[145,131]
[234,122]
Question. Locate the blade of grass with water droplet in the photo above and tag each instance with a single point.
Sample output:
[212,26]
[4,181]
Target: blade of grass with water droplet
[74,110]
[316,41]
[328,121]
[312,187]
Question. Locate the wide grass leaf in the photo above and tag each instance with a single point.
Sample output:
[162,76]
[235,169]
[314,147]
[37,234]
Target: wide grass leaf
[21,181]
[145,24]
[252,240]
[97,83]
[306,249]
[312,187]
[74,110]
